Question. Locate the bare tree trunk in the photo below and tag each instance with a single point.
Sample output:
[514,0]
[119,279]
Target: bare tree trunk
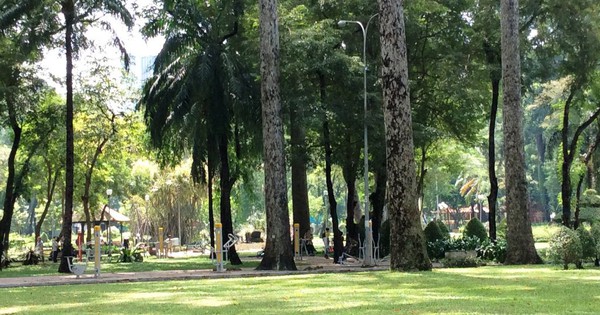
[337,234]
[301,210]
[68,10]
[521,249]
[226,184]
[493,196]
[278,249]
[10,194]
[408,251]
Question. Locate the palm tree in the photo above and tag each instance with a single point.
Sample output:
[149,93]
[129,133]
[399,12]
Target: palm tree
[200,97]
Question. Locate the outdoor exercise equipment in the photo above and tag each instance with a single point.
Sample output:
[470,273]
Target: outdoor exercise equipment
[220,250]
[297,253]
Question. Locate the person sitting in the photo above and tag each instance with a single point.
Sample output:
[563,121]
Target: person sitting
[308,242]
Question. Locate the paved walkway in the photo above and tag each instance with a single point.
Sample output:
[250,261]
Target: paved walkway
[308,265]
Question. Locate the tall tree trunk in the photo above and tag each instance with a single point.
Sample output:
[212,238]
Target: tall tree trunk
[68,10]
[408,251]
[300,206]
[338,244]
[493,196]
[565,188]
[278,252]
[337,234]
[521,249]
[226,185]
[10,194]
[211,214]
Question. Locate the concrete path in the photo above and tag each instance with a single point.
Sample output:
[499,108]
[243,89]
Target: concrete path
[308,265]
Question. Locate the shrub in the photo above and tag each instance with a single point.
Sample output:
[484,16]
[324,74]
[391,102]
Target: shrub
[432,232]
[437,249]
[595,231]
[565,248]
[588,244]
[489,250]
[463,243]
[475,229]
[443,228]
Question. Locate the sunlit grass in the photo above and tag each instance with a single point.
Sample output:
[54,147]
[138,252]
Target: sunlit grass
[484,290]
[149,264]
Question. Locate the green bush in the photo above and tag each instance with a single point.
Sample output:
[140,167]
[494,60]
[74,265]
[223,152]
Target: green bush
[565,247]
[588,244]
[475,229]
[443,228]
[432,232]
[489,250]
[595,231]
[437,249]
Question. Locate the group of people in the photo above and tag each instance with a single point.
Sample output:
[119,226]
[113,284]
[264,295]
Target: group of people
[39,248]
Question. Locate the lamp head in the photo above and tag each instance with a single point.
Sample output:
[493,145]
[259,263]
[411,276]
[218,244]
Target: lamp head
[342,23]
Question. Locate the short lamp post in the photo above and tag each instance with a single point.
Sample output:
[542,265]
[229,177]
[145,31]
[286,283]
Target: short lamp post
[368,245]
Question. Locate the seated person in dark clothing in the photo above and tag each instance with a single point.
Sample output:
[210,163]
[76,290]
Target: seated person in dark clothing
[310,248]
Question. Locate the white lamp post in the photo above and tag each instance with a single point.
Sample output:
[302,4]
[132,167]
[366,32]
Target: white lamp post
[368,261]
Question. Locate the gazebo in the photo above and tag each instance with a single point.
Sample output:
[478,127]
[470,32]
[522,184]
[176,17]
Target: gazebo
[105,217]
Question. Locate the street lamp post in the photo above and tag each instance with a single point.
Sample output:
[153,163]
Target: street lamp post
[368,259]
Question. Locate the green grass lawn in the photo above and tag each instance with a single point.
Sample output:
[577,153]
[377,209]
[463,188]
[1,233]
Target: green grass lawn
[485,290]
[149,264]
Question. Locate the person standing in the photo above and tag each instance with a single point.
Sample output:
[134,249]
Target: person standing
[54,254]
[39,248]
[325,237]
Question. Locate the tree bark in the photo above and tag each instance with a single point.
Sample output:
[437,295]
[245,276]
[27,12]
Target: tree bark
[68,10]
[278,252]
[226,184]
[337,233]
[10,194]
[300,206]
[408,251]
[493,196]
[521,249]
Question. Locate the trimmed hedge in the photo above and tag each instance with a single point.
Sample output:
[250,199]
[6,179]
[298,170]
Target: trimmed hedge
[432,232]
[475,228]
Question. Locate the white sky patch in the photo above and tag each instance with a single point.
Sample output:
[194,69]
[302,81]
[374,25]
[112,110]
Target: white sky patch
[54,64]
